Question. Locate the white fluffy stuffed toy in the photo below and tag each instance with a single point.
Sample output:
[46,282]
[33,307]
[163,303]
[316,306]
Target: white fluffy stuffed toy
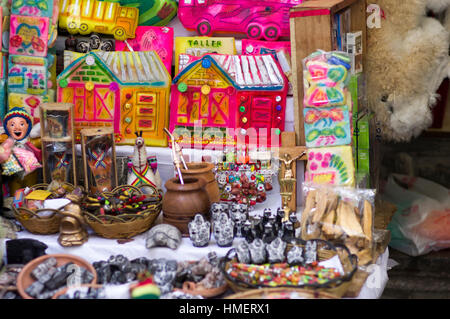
[407,60]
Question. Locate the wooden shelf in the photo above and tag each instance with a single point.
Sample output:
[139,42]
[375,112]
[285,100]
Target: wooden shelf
[57,139]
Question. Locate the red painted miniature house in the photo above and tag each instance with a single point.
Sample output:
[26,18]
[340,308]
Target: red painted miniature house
[247,93]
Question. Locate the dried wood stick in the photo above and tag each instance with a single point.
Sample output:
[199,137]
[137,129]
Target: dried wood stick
[368,220]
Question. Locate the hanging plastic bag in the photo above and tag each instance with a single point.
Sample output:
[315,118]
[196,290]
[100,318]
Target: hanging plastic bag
[422,221]
[340,214]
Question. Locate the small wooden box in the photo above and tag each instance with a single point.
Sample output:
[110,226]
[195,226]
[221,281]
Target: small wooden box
[311,30]
[99,159]
[58,143]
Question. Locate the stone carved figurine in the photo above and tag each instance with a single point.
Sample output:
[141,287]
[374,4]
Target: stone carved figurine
[247,232]
[268,235]
[243,253]
[216,209]
[164,272]
[295,256]
[310,252]
[275,251]
[199,231]
[258,251]
[223,230]
[163,235]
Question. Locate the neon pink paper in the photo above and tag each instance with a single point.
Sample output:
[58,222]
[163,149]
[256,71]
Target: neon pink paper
[27,159]
[258,19]
[150,38]
[254,47]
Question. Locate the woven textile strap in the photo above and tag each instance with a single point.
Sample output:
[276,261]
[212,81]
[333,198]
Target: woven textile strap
[140,176]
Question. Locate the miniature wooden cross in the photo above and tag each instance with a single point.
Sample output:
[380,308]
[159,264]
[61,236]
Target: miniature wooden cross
[289,154]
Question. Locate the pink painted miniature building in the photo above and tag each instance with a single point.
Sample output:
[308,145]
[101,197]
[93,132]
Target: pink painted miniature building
[246,93]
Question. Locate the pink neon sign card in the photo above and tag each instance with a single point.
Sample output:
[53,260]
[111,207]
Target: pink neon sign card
[148,38]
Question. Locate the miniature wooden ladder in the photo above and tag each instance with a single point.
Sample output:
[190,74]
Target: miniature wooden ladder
[288,187]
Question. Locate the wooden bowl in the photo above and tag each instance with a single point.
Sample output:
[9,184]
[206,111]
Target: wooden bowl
[281,293]
[24,280]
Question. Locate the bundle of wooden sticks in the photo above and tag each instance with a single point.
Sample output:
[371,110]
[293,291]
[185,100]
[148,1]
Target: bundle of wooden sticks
[329,215]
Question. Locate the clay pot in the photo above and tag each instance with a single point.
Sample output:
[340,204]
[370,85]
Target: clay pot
[182,202]
[25,279]
[204,170]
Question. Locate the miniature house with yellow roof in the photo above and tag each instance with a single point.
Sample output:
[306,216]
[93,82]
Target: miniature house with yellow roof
[128,91]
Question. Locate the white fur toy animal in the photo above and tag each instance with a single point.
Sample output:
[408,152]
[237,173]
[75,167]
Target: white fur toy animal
[407,60]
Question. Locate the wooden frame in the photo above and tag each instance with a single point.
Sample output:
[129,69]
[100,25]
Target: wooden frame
[108,135]
[66,136]
[311,30]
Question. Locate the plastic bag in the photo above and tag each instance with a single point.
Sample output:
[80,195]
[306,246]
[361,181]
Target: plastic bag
[340,214]
[326,75]
[422,221]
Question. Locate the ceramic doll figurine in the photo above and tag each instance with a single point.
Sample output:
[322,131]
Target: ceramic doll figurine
[17,154]
[258,251]
[199,231]
[275,251]
[223,230]
[295,256]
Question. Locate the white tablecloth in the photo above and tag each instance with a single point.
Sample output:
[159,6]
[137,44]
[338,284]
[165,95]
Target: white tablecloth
[98,248]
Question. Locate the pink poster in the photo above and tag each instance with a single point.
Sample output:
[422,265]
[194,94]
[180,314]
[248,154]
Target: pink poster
[255,47]
[28,35]
[159,39]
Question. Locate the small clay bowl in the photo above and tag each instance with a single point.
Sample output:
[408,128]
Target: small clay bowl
[192,288]
[63,291]
[24,279]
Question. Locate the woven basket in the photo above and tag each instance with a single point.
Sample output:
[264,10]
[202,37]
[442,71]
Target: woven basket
[281,293]
[42,225]
[124,226]
[326,250]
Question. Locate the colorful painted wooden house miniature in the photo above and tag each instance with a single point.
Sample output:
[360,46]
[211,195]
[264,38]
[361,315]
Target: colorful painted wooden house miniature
[128,91]
[247,93]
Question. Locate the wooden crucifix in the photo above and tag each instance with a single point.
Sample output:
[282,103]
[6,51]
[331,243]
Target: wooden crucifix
[288,155]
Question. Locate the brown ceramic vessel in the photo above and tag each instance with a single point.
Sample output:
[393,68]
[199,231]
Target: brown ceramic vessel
[204,170]
[182,202]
